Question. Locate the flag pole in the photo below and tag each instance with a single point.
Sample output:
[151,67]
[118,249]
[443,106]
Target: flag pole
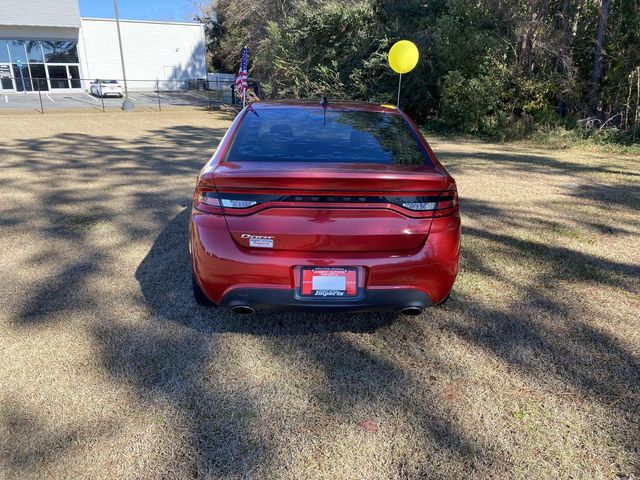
[246,76]
[127,105]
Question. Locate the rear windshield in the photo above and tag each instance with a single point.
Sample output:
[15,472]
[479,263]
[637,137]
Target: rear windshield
[310,135]
[108,81]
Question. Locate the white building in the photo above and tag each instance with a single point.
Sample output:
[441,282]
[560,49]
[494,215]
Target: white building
[47,45]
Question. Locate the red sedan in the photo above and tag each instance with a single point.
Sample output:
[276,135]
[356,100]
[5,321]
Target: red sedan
[324,206]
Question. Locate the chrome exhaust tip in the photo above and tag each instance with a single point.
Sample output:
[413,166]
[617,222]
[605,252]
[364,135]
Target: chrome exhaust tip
[411,311]
[243,310]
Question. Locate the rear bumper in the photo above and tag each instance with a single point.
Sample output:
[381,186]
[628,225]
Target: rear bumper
[232,275]
[285,300]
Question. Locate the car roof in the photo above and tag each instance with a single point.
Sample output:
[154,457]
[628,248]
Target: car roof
[332,105]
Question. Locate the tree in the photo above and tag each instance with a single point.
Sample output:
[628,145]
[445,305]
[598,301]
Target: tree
[598,61]
[493,67]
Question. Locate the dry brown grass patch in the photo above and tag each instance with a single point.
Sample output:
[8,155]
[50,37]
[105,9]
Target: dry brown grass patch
[109,369]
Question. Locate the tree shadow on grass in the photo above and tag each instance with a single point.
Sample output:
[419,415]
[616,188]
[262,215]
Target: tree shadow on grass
[612,196]
[530,345]
[173,357]
[561,356]
[79,183]
[547,334]
[530,162]
[30,448]
[174,367]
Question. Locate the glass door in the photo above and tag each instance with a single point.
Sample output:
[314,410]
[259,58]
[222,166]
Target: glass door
[39,76]
[64,76]
[74,76]
[58,76]
[22,77]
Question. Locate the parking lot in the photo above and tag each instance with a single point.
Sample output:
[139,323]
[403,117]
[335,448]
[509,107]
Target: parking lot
[110,370]
[146,100]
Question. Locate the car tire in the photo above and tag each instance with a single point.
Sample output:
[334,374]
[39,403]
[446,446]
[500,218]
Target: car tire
[199,296]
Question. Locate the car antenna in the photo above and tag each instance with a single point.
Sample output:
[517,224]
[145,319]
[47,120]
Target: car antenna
[324,103]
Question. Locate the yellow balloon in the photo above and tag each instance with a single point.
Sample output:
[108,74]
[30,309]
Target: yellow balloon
[403,56]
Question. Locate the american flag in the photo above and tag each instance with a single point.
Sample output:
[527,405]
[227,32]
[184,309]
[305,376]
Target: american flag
[241,79]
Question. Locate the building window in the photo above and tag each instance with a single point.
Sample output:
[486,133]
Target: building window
[4,52]
[60,52]
[34,51]
[16,51]
[44,64]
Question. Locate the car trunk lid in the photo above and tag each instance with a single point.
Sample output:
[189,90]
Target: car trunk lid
[329,207]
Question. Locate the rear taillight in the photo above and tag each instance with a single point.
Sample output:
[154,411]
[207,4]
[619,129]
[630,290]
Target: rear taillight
[437,204]
[444,203]
[234,203]
[211,202]
[447,204]
[207,201]
[419,206]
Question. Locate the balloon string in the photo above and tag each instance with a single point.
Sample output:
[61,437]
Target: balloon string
[399,83]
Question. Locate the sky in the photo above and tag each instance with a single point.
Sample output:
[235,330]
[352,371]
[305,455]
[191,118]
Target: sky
[169,10]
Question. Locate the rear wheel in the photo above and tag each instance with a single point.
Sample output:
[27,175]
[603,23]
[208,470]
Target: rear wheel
[198,294]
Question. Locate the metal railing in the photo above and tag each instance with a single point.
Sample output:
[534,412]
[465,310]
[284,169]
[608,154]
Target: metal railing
[44,94]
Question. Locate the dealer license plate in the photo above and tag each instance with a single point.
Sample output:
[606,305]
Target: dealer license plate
[329,282]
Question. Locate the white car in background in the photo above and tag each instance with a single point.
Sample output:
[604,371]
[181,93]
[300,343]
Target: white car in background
[105,88]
